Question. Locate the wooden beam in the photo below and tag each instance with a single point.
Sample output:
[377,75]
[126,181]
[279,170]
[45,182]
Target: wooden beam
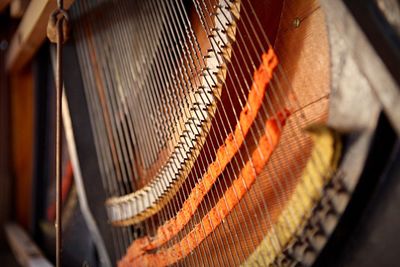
[22,107]
[31,33]
[25,251]
[4,4]
[18,7]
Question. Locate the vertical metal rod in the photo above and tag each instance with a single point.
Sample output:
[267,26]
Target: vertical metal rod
[59,84]
[60,4]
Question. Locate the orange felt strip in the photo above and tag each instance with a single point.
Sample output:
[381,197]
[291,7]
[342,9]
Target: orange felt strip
[260,156]
[225,153]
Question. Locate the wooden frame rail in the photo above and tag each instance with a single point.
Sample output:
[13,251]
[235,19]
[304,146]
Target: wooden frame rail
[25,250]
[31,33]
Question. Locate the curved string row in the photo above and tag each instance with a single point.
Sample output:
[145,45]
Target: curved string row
[121,133]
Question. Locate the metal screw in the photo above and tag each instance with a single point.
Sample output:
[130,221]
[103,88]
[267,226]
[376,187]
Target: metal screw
[296,22]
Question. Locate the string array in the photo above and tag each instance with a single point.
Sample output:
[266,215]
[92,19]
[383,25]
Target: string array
[166,83]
